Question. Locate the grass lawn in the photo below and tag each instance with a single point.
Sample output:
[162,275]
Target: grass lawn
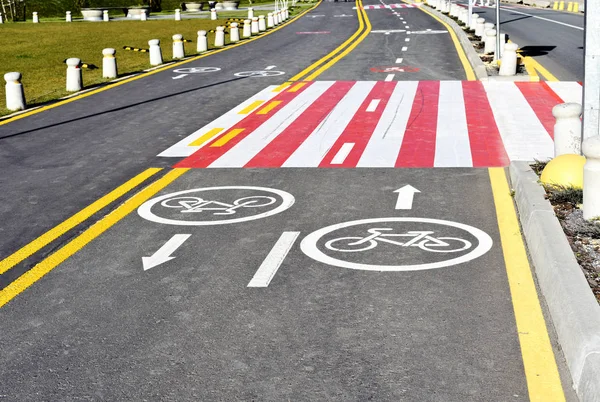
[38,50]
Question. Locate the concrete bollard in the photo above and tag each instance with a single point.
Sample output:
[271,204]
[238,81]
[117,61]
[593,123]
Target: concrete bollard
[473,24]
[15,96]
[287,13]
[276,20]
[155,52]
[109,63]
[254,25]
[591,177]
[270,23]
[74,77]
[1,19]
[105,16]
[479,27]
[220,37]
[178,49]
[213,14]
[143,16]
[502,43]
[234,33]
[567,129]
[35,17]
[68,17]
[262,25]
[490,41]
[247,30]
[454,10]
[462,15]
[250,13]
[509,60]
[486,27]
[202,45]
[177,14]
[440,5]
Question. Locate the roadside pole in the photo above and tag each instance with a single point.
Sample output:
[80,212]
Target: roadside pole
[470,12]
[591,72]
[497,54]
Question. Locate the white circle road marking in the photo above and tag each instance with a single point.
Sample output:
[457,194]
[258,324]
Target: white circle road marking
[196,70]
[145,210]
[309,246]
[263,73]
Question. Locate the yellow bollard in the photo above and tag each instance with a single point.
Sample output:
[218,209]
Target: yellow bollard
[555,6]
[570,7]
[576,7]
[564,170]
[561,5]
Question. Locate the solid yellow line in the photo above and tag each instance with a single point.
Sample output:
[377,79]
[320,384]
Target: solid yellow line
[539,68]
[49,263]
[205,137]
[272,105]
[461,53]
[541,372]
[251,107]
[282,87]
[297,87]
[322,60]
[225,139]
[362,22]
[73,221]
[158,70]
[533,75]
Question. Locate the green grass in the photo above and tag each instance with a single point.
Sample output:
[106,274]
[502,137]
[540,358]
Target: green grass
[38,51]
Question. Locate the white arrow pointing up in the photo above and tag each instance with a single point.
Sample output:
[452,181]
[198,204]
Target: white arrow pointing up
[163,254]
[405,197]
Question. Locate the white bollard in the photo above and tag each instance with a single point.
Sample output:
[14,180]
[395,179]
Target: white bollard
[143,16]
[490,41]
[453,10]
[178,50]
[486,27]
[270,22]
[35,17]
[286,13]
[234,33]
[262,25]
[567,129]
[109,63]
[474,18]
[254,25]
[479,27]
[15,96]
[105,16]
[276,20]
[1,19]
[220,37]
[502,43]
[509,60]
[591,177]
[250,13]
[439,5]
[447,7]
[213,14]
[202,42]
[74,78]
[68,17]
[155,52]
[177,14]
[247,30]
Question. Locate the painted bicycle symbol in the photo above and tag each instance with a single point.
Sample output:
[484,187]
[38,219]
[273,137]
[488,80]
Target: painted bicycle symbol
[421,239]
[197,204]
[261,73]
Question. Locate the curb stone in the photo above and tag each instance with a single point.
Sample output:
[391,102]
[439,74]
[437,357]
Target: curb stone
[573,308]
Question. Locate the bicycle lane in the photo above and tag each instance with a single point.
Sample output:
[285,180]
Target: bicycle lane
[265,297]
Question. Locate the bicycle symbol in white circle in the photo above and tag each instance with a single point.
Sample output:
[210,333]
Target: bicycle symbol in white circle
[263,73]
[197,204]
[196,70]
[422,240]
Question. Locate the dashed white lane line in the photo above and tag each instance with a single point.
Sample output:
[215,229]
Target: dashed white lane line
[343,153]
[399,60]
[373,105]
[270,67]
[404,49]
[271,264]
[407,40]
[390,77]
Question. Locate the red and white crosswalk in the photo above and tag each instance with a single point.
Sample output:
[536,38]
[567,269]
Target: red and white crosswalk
[382,124]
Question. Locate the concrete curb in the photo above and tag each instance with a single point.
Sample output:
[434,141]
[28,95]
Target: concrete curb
[574,310]
[474,60]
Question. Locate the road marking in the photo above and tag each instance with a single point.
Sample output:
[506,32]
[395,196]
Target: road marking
[297,87]
[272,105]
[49,263]
[545,19]
[404,48]
[406,26]
[227,137]
[407,40]
[177,77]
[273,261]
[57,231]
[373,105]
[163,254]
[282,87]
[196,70]
[259,73]
[270,67]
[399,60]
[313,32]
[390,77]
[387,31]
[342,154]
[405,197]
[206,137]
[251,107]
[541,372]
[344,15]
[567,91]
[531,62]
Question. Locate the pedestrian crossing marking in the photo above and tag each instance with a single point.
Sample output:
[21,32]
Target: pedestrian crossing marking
[227,137]
[297,87]
[269,107]
[251,107]
[206,137]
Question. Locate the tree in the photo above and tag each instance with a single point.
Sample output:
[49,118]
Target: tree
[154,5]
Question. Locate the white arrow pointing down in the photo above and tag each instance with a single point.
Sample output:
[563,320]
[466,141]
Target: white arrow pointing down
[163,254]
[406,195]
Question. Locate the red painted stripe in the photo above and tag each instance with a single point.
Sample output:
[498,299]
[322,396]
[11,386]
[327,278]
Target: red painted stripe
[541,99]
[558,98]
[418,146]
[361,127]
[207,154]
[284,145]
[487,147]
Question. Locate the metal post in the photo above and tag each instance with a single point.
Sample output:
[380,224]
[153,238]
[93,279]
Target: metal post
[497,54]
[591,72]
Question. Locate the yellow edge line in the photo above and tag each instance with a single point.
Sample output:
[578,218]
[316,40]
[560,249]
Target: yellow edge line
[49,263]
[461,53]
[57,231]
[541,372]
[282,87]
[539,68]
[227,137]
[199,141]
[297,87]
[533,75]
[143,75]
[360,12]
[251,107]
[272,105]
[322,60]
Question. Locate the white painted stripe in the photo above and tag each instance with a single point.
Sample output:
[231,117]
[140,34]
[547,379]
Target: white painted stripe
[399,60]
[567,91]
[524,136]
[404,49]
[387,31]
[271,264]
[320,141]
[390,77]
[270,67]
[385,142]
[452,145]
[342,154]
[407,40]
[512,10]
[406,26]
[252,144]
[226,121]
[373,105]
